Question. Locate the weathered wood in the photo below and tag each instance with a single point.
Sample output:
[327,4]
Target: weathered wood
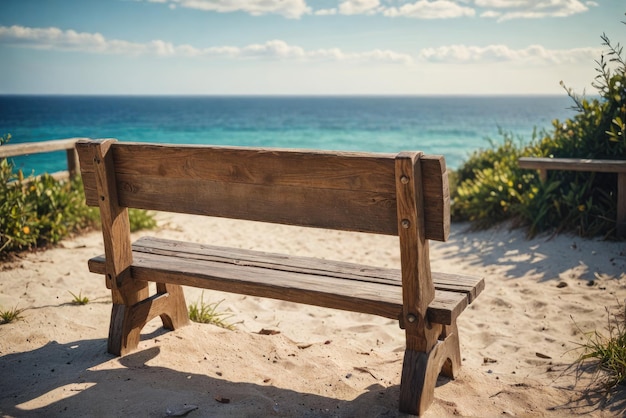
[27,148]
[621,205]
[469,285]
[168,303]
[573,164]
[420,371]
[327,283]
[405,195]
[13,150]
[591,165]
[308,188]
[417,286]
[125,292]
[436,197]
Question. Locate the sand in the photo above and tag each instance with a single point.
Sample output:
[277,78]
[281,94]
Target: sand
[518,339]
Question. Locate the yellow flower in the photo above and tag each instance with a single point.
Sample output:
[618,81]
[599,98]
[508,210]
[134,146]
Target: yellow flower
[26,230]
[581,208]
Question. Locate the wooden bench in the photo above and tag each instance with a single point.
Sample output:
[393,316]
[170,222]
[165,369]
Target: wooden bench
[404,195]
[590,165]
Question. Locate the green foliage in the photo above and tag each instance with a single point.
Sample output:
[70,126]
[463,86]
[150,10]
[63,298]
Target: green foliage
[208,314]
[607,354]
[79,299]
[490,187]
[38,211]
[10,315]
[141,219]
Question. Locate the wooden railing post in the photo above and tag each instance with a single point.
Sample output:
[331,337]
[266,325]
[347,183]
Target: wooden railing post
[621,205]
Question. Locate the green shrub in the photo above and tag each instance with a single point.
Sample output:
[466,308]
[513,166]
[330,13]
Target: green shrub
[490,186]
[38,211]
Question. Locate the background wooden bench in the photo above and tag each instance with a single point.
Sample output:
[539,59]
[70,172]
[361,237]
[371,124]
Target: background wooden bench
[404,195]
[590,165]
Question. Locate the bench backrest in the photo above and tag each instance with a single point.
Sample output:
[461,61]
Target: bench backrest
[336,190]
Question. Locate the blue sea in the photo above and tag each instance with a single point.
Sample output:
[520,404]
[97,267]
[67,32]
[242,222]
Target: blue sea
[452,126]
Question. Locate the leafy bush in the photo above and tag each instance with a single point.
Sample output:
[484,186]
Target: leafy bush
[38,211]
[491,187]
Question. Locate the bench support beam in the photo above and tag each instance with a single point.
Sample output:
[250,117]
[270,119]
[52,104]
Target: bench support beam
[420,371]
[128,321]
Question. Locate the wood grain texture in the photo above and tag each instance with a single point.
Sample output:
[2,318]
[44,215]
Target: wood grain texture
[436,190]
[348,191]
[125,292]
[405,195]
[12,150]
[573,164]
[417,286]
[420,371]
[621,205]
[222,268]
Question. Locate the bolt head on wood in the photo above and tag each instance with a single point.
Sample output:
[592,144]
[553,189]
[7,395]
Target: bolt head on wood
[411,318]
[404,179]
[406,223]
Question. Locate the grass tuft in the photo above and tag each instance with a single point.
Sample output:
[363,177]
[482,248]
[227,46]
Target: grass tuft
[607,354]
[10,315]
[207,313]
[79,299]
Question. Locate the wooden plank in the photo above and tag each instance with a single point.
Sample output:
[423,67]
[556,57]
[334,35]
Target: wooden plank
[469,285]
[436,197]
[621,205]
[417,286]
[320,290]
[351,210]
[249,172]
[12,150]
[115,229]
[262,166]
[573,164]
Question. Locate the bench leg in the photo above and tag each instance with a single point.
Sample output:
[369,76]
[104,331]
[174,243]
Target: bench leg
[452,365]
[128,321]
[420,371]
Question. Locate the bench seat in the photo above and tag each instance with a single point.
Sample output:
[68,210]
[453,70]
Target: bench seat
[331,284]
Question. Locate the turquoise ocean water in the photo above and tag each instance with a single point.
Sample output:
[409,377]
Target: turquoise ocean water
[452,126]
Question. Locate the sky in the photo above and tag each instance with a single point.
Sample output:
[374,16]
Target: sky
[304,47]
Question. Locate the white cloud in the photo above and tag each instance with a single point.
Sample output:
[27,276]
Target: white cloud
[534,9]
[291,9]
[356,7]
[325,12]
[418,9]
[424,9]
[69,40]
[535,54]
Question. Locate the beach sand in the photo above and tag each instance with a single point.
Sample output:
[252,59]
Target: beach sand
[517,339]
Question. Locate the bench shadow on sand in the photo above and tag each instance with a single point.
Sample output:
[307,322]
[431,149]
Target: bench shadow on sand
[65,379]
